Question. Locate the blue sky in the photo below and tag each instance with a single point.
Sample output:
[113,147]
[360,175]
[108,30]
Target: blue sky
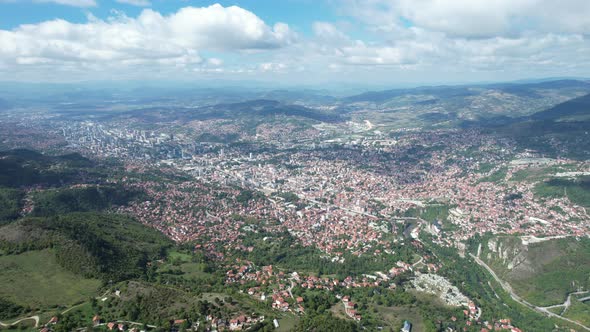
[294,41]
[299,13]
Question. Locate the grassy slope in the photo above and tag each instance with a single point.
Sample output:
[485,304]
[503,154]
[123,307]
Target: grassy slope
[287,323]
[578,191]
[579,311]
[35,279]
[536,173]
[395,316]
[390,318]
[558,267]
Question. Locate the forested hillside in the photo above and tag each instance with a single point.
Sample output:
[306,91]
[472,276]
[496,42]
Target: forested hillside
[59,235]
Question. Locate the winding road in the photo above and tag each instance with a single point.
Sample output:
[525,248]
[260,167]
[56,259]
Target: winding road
[568,302]
[35,318]
[291,287]
[520,300]
[418,262]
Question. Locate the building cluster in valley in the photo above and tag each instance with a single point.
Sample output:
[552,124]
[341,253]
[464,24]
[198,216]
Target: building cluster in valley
[350,195]
[344,195]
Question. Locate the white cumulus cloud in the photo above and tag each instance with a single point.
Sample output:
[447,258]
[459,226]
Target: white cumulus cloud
[387,39]
[414,48]
[177,39]
[475,18]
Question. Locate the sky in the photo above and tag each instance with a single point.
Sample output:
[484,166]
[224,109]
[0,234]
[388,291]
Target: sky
[294,41]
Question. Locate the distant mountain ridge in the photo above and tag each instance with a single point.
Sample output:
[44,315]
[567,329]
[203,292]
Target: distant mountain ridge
[266,107]
[561,129]
[467,90]
[251,109]
[574,107]
[439,91]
